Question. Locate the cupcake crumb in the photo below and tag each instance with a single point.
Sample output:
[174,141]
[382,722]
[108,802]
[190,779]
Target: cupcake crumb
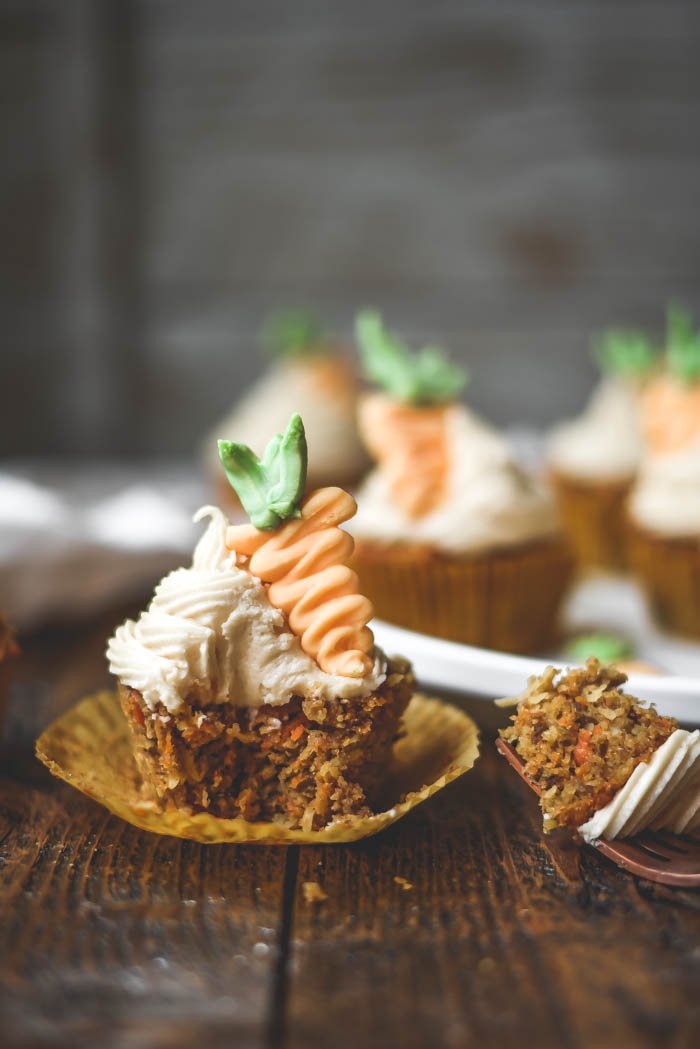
[313,893]
[403,883]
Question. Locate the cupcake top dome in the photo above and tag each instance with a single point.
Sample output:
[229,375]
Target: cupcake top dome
[443,477]
[311,375]
[266,611]
[605,442]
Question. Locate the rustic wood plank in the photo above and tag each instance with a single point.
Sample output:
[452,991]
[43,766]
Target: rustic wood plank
[459,926]
[109,934]
[497,936]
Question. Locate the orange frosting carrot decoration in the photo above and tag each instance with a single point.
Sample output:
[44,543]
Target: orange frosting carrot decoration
[411,446]
[304,562]
[671,405]
[406,427]
[671,415]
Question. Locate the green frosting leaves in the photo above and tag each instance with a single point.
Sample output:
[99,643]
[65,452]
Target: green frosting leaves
[425,377]
[682,345]
[270,488]
[294,333]
[625,353]
[608,648]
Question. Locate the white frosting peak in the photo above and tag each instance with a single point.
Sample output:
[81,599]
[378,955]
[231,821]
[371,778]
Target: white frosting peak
[661,794]
[491,502]
[605,442]
[211,633]
[328,414]
[666,498]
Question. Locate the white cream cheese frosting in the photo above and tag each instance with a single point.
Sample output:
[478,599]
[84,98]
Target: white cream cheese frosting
[210,631]
[328,414]
[605,442]
[491,502]
[666,497]
[661,794]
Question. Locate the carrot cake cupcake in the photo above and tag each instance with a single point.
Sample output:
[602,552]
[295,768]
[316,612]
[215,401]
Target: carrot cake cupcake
[664,508]
[593,460]
[252,685]
[605,764]
[453,538]
[311,373]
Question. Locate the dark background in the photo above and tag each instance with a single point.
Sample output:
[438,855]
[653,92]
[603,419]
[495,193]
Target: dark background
[502,176]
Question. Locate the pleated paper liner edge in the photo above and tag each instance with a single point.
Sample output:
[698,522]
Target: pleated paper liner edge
[88,748]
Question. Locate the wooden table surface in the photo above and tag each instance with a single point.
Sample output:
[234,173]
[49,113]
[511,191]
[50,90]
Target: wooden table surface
[459,926]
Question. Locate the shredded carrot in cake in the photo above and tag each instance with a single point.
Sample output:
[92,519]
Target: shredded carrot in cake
[304,562]
[410,444]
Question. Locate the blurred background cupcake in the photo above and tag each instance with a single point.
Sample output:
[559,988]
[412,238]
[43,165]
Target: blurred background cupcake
[664,508]
[312,373]
[594,458]
[452,537]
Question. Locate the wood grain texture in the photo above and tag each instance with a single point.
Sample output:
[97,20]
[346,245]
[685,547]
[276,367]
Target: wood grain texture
[501,939]
[109,935]
[459,926]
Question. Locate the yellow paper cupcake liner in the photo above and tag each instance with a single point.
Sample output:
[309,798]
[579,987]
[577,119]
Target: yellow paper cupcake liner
[506,600]
[89,748]
[593,516]
[669,571]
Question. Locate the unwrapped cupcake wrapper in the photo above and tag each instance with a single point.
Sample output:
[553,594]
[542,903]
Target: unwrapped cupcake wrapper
[593,516]
[669,570]
[89,747]
[506,600]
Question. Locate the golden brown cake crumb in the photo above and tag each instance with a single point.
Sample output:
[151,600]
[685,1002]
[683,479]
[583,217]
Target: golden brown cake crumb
[581,737]
[313,893]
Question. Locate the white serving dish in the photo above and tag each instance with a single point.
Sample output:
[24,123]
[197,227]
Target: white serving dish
[607,605]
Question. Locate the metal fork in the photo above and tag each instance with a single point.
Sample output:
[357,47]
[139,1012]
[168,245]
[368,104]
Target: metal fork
[655,855]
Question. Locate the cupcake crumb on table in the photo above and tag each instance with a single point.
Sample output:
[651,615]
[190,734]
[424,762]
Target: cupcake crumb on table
[452,537]
[604,763]
[251,685]
[593,460]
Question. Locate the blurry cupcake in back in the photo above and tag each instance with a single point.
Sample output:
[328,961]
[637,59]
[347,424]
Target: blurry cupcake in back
[452,537]
[311,372]
[593,459]
[664,508]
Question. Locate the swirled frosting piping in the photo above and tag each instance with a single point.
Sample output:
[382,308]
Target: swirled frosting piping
[410,445]
[304,563]
[662,794]
[211,635]
[490,502]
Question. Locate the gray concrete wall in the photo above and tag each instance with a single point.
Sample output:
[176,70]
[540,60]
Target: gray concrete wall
[502,176]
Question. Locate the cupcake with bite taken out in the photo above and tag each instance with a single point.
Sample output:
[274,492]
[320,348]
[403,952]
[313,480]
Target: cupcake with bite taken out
[593,460]
[664,507]
[310,373]
[252,685]
[604,764]
[452,537]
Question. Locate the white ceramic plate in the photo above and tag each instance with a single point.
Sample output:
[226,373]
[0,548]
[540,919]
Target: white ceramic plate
[600,605]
